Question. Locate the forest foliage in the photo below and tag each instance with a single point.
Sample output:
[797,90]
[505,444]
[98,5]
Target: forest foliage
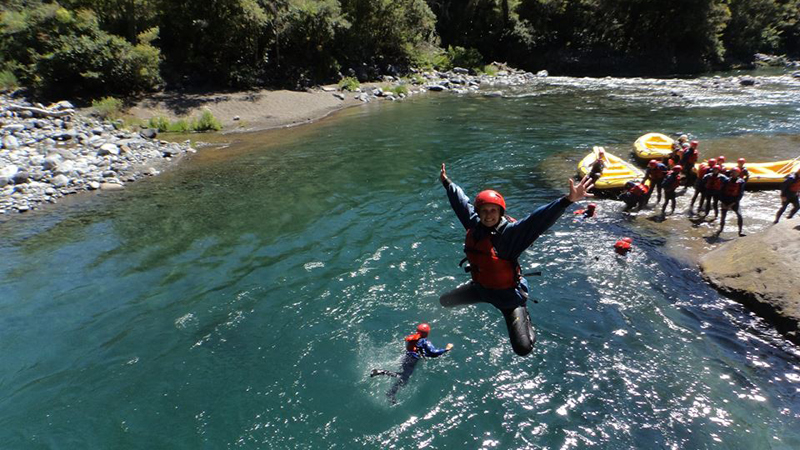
[92,48]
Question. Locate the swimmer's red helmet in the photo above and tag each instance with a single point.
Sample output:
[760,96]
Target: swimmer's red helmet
[623,246]
[591,206]
[712,162]
[721,159]
[741,161]
[490,197]
[694,144]
[423,329]
[735,171]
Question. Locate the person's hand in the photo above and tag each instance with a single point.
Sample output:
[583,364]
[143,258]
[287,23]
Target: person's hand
[449,346]
[443,176]
[579,191]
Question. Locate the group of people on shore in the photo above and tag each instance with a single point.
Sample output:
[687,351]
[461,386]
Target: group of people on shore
[717,187]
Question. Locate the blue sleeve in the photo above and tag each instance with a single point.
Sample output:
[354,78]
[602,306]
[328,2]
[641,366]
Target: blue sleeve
[518,236]
[462,207]
[741,189]
[428,349]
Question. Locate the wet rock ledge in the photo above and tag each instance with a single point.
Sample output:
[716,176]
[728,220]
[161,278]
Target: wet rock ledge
[47,152]
[762,271]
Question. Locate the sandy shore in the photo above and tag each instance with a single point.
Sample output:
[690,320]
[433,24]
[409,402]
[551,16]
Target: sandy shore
[247,111]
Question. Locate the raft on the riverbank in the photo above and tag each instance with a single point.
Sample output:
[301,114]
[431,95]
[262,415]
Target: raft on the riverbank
[652,146]
[616,173]
[766,175]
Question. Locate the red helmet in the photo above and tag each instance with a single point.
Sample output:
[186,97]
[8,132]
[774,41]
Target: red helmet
[735,171]
[694,144]
[652,163]
[741,161]
[591,206]
[721,159]
[423,329]
[490,197]
[677,168]
[712,162]
[628,240]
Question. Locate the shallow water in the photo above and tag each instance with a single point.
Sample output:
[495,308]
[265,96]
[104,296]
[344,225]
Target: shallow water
[241,300]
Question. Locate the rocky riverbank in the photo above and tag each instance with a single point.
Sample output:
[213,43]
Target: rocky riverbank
[761,271]
[47,152]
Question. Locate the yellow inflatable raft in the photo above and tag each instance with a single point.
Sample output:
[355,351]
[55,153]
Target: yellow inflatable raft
[765,175]
[652,146]
[616,173]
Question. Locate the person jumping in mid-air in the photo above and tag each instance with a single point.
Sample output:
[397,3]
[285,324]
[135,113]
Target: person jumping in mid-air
[493,245]
[417,346]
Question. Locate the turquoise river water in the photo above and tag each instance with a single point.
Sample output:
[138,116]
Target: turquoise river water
[241,299]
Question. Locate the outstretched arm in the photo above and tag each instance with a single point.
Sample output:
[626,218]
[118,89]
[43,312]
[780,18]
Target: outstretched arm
[459,201]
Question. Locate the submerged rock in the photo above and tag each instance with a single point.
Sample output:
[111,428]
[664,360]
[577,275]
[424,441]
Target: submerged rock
[761,271]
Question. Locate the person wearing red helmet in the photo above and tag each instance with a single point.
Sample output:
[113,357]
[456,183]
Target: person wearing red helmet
[743,172]
[599,164]
[699,187]
[670,185]
[417,346]
[712,184]
[493,246]
[789,194]
[635,195]
[587,213]
[655,173]
[730,195]
[688,161]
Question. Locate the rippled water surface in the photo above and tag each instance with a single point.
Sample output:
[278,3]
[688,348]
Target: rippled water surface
[241,300]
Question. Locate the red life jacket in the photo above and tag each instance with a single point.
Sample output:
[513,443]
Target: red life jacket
[411,342]
[639,190]
[486,268]
[692,158]
[714,183]
[732,188]
[795,187]
[656,174]
[701,172]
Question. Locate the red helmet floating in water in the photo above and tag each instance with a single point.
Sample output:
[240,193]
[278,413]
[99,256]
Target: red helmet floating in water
[623,246]
[490,197]
[741,161]
[423,329]
[591,206]
[694,144]
[677,168]
[652,163]
[712,162]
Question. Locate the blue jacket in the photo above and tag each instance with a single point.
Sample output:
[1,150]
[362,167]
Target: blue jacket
[510,239]
[426,350]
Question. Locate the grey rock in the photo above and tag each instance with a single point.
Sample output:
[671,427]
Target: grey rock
[747,81]
[60,181]
[339,95]
[149,133]
[51,162]
[111,186]
[761,271]
[436,87]
[13,128]
[10,142]
[108,149]
[460,71]
[542,73]
[93,185]
[796,74]
[20,177]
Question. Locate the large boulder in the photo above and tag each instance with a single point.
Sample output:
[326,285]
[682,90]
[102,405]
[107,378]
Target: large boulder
[761,270]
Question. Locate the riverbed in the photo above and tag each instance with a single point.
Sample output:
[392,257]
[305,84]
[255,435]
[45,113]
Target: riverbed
[241,299]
